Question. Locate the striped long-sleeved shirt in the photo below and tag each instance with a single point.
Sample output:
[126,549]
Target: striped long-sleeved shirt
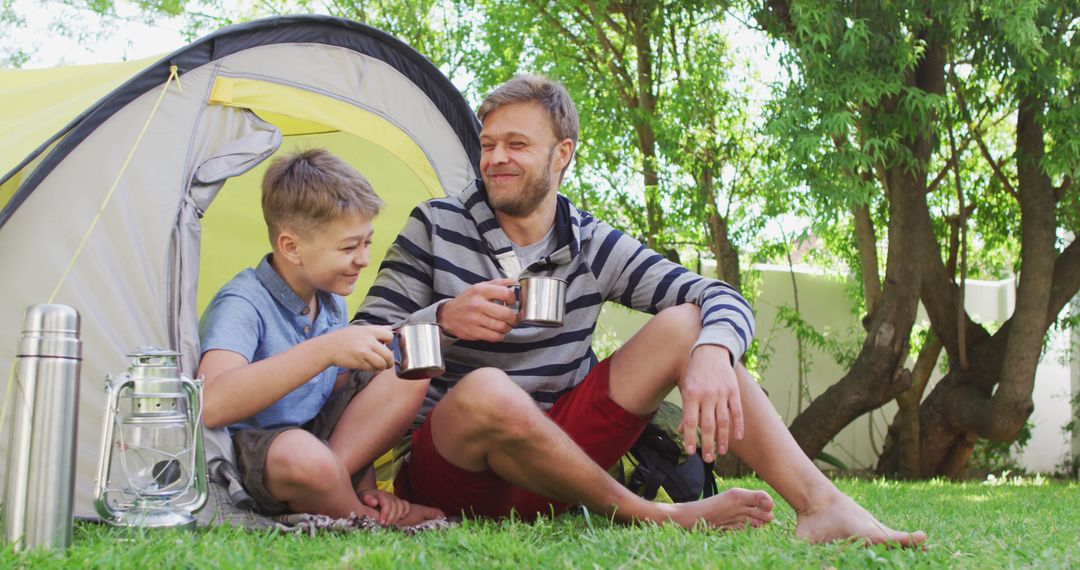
[451,243]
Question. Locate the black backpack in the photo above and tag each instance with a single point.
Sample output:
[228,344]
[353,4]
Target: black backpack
[657,461]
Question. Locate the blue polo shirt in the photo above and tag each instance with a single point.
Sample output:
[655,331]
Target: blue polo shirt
[257,315]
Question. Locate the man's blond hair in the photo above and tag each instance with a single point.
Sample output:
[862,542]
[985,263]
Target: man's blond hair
[304,191]
[550,94]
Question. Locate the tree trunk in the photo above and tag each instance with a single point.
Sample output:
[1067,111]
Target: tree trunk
[904,431]
[878,374]
[638,20]
[727,257]
[992,399]
[866,243]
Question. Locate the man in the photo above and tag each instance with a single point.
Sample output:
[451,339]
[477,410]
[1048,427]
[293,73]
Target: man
[532,420]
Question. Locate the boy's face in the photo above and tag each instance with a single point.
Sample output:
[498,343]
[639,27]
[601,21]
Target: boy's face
[331,258]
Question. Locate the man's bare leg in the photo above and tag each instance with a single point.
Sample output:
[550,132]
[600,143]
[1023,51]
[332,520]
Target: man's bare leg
[488,421]
[825,514]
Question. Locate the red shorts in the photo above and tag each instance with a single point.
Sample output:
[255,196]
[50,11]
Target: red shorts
[602,428]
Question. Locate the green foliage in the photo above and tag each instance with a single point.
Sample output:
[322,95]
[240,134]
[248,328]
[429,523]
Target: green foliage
[11,55]
[842,350]
[657,91]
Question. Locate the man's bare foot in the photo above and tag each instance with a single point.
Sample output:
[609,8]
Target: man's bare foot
[733,510]
[841,518]
[420,513]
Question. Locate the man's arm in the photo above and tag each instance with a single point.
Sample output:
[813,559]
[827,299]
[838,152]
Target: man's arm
[636,276]
[404,287]
[404,290]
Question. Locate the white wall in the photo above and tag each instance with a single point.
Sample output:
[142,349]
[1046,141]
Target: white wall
[825,305]
[1076,382]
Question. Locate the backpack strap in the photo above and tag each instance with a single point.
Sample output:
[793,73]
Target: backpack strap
[710,480]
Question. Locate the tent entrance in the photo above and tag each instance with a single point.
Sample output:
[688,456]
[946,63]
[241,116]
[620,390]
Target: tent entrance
[388,156]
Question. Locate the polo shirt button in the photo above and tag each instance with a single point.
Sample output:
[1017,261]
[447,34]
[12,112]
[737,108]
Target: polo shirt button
[307,330]
[305,310]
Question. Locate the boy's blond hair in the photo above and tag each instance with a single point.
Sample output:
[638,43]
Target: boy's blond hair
[303,191]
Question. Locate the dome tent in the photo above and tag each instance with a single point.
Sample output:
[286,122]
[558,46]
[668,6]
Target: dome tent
[136,208]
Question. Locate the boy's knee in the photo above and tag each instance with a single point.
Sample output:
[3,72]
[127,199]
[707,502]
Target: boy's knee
[303,461]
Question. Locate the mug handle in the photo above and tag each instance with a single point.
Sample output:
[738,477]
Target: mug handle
[395,347]
[516,287]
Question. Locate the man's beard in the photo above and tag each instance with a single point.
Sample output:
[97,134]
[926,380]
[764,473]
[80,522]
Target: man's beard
[525,202]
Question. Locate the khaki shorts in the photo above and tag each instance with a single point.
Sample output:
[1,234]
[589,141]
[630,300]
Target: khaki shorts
[252,445]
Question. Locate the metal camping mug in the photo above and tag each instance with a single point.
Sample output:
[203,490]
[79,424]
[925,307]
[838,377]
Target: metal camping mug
[417,351]
[541,300]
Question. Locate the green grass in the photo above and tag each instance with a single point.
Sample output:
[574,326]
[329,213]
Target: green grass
[971,525]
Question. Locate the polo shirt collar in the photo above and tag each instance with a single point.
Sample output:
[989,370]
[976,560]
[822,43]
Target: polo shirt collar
[286,297]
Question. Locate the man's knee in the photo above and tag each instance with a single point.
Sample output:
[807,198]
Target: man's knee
[679,326]
[685,316]
[489,400]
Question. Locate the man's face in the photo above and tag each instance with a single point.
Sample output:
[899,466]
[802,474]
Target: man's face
[520,158]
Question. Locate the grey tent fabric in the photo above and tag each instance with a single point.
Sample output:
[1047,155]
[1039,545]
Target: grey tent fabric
[108,215]
[237,157]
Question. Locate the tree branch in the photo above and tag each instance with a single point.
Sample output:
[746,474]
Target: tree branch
[940,177]
[625,91]
[866,244]
[977,134]
[1066,280]
[601,35]
[1060,191]
[607,19]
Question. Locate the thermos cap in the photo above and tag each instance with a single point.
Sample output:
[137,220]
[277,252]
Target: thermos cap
[51,330]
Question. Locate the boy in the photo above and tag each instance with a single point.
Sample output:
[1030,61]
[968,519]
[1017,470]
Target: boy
[277,354]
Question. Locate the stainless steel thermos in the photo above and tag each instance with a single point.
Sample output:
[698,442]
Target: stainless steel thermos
[40,483]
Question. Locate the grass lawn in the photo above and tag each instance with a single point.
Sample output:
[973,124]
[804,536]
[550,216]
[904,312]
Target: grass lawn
[1019,523]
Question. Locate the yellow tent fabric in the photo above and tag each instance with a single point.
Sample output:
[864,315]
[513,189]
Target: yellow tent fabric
[311,111]
[396,167]
[234,235]
[43,101]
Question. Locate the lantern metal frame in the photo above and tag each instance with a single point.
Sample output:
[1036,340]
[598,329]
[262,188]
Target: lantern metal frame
[139,509]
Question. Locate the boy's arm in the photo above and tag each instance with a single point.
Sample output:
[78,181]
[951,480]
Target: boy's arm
[236,390]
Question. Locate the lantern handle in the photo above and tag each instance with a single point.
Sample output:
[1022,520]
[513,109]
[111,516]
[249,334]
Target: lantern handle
[195,397]
[113,387]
